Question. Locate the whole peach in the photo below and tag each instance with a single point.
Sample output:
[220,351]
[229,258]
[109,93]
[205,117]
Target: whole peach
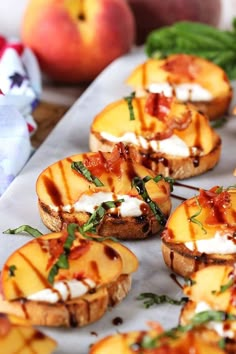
[152,14]
[74,40]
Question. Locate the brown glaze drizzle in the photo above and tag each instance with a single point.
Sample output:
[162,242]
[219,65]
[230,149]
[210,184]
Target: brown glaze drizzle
[174,278]
[53,191]
[144,75]
[36,271]
[117,321]
[111,253]
[82,13]
[23,307]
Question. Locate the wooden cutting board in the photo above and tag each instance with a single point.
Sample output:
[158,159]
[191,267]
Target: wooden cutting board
[46,115]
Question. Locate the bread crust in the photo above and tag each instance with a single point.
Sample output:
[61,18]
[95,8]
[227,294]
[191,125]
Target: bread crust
[216,108]
[184,262]
[74,313]
[111,226]
[167,165]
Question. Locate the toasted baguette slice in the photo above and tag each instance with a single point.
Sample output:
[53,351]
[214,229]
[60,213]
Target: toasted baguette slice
[218,295]
[116,171]
[72,313]
[187,313]
[184,69]
[207,226]
[193,341]
[179,143]
[18,336]
[72,280]
[184,262]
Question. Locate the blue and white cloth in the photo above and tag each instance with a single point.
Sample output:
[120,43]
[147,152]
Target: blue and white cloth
[20,91]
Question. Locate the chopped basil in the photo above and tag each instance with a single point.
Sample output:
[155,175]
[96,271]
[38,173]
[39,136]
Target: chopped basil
[79,167]
[222,343]
[218,123]
[199,319]
[151,299]
[24,228]
[139,184]
[189,281]
[62,262]
[160,177]
[224,287]
[96,218]
[11,270]
[129,100]
[193,217]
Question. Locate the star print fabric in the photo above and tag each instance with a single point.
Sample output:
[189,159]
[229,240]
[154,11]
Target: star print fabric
[20,79]
[20,91]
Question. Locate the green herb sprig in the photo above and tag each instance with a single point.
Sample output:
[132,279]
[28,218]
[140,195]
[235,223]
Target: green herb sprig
[199,319]
[211,43]
[79,167]
[139,184]
[129,100]
[11,270]
[150,299]
[224,287]
[160,177]
[62,262]
[95,219]
[24,228]
[194,219]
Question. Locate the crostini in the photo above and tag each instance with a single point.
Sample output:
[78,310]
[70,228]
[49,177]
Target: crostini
[18,336]
[201,231]
[71,280]
[189,78]
[169,137]
[156,341]
[124,197]
[212,291]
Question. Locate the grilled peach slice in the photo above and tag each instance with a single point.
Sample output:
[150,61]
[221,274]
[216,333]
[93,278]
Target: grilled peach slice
[207,220]
[17,336]
[27,270]
[177,74]
[130,343]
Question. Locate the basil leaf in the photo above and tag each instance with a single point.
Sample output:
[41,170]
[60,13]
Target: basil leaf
[62,261]
[139,184]
[129,100]
[24,228]
[79,167]
[99,213]
[151,299]
[194,219]
[11,270]
[197,39]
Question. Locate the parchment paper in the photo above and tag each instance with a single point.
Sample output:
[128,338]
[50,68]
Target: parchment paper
[19,206]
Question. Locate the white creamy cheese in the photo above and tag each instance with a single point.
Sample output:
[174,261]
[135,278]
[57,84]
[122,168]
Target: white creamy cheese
[172,146]
[131,206]
[220,244]
[183,92]
[63,290]
[217,326]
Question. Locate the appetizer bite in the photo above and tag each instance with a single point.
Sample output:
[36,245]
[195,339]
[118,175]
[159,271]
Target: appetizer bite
[123,198]
[169,137]
[66,279]
[211,293]
[184,340]
[18,336]
[201,231]
[189,78]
